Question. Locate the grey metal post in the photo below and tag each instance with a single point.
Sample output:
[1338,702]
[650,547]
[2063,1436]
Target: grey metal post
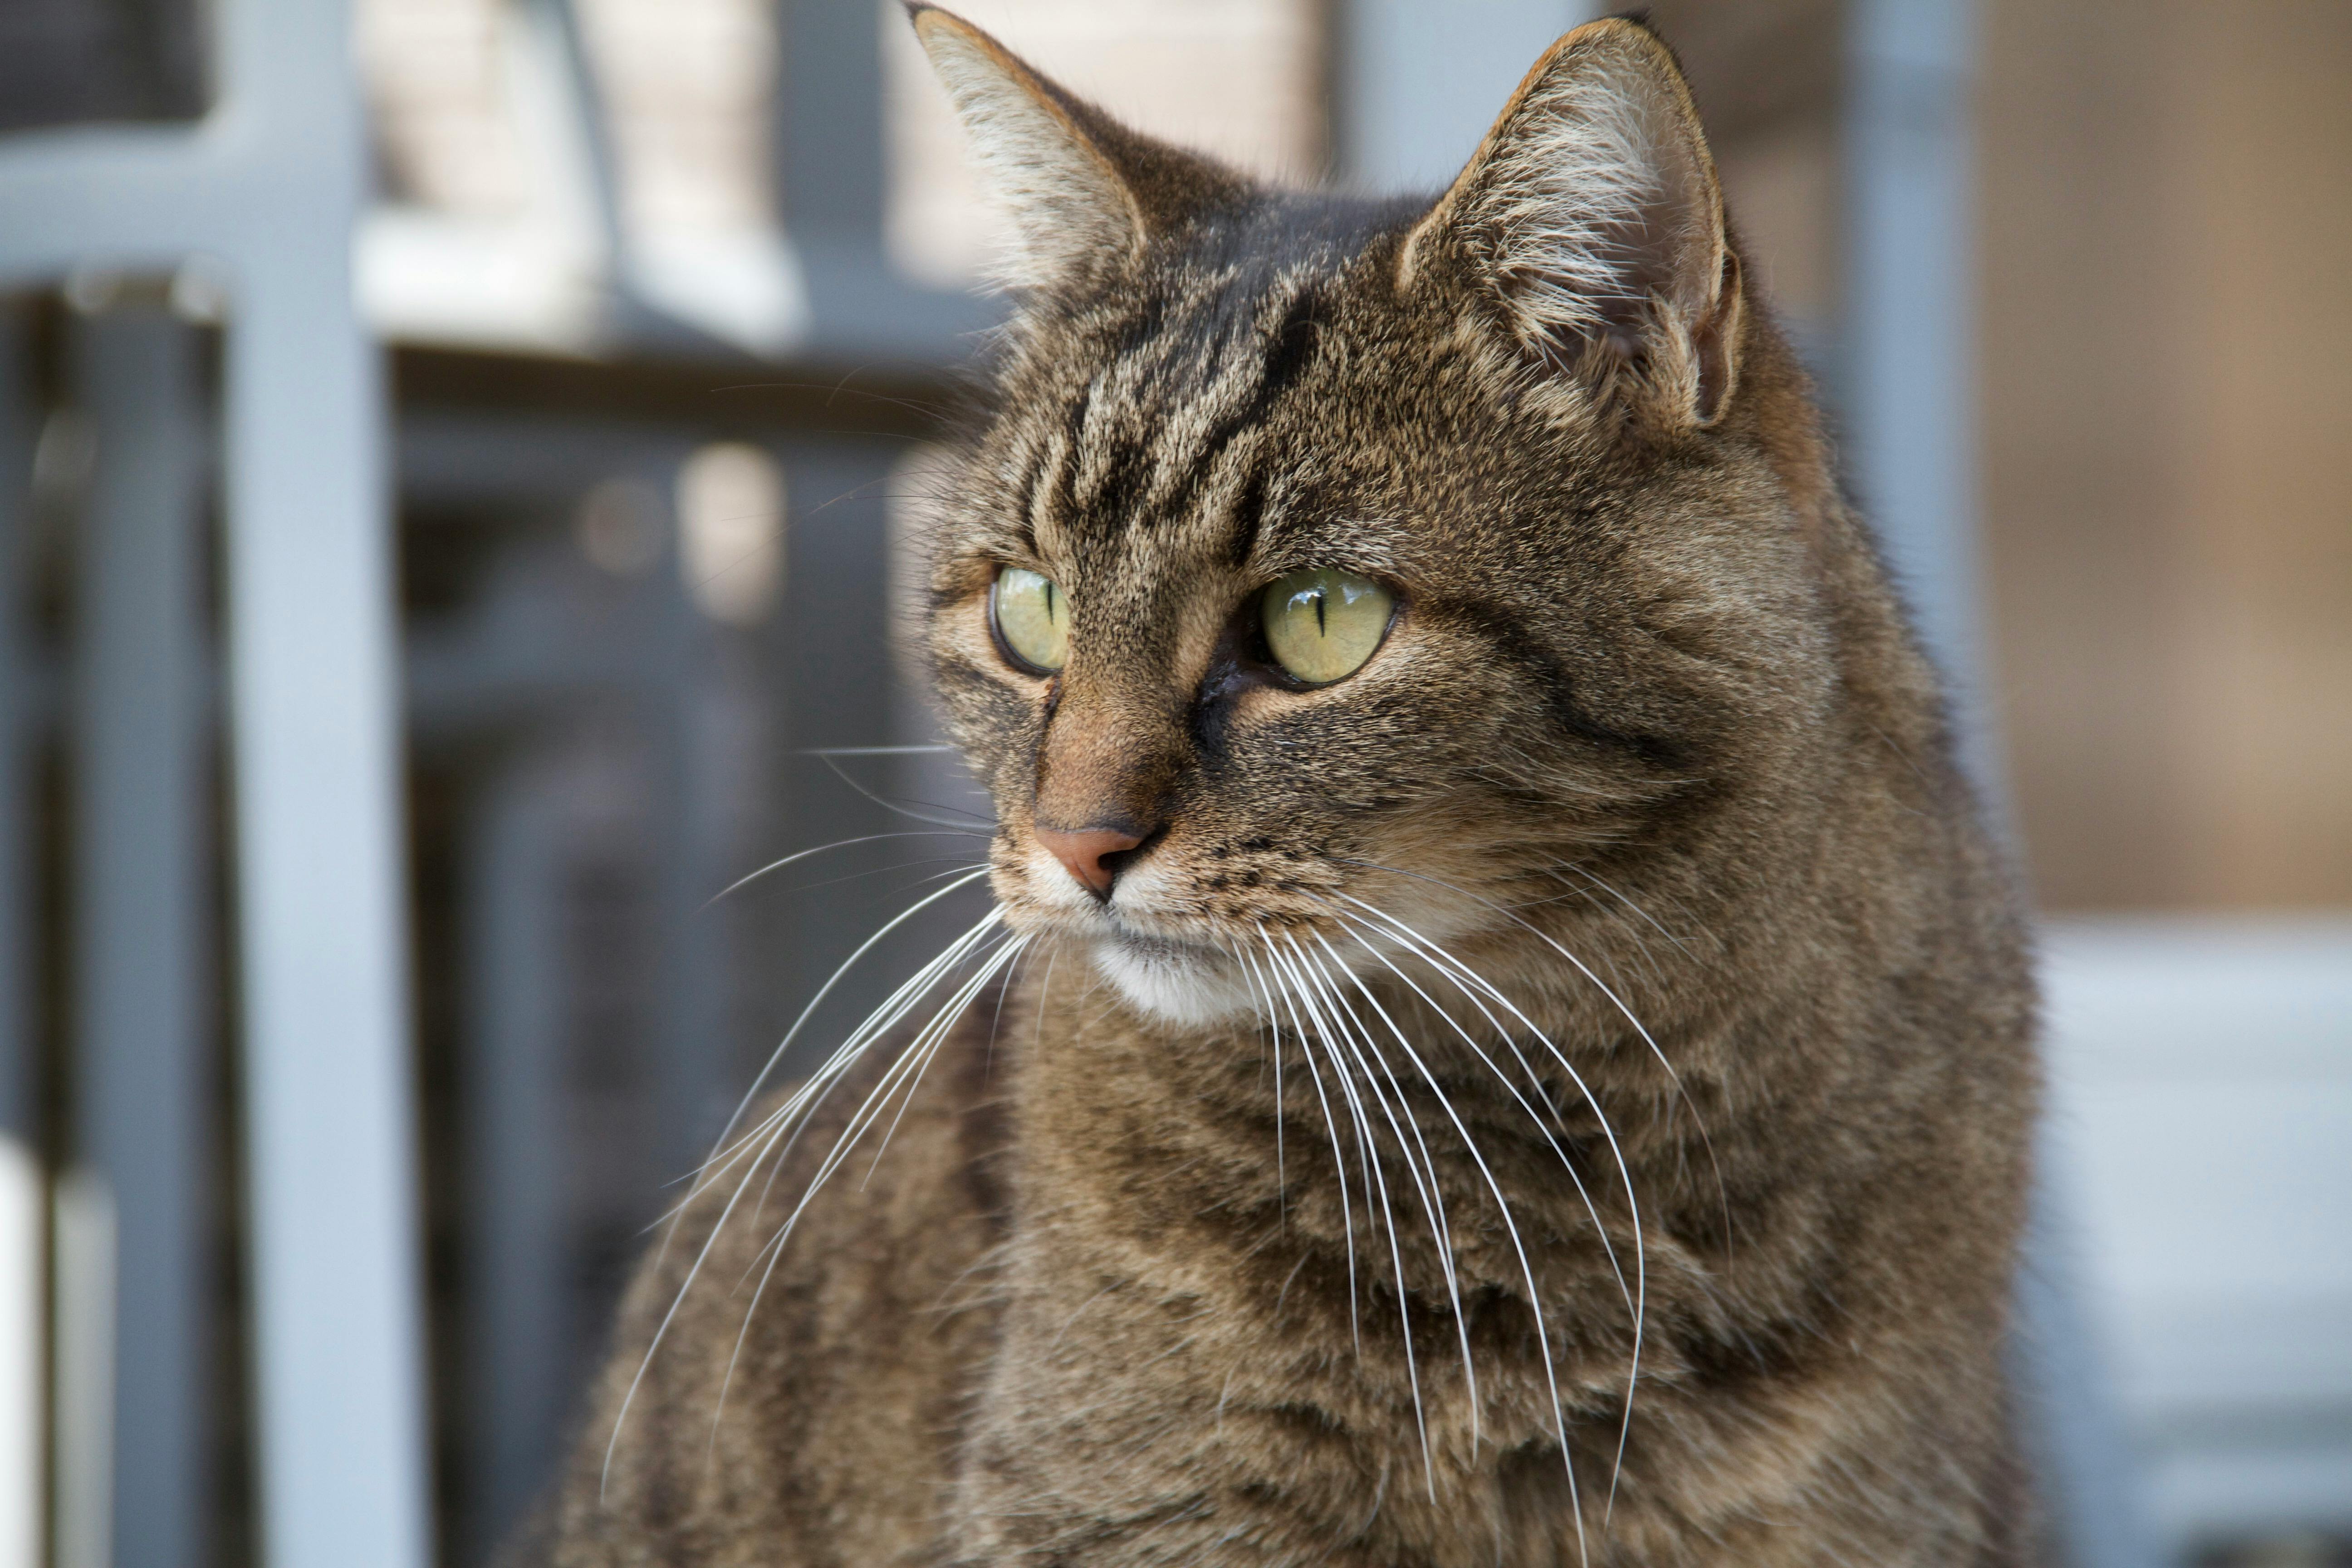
[269,187]
[141,1011]
[1907,365]
[831,164]
[520,1332]
[695,1075]
[321,877]
[2074,1433]
[832,640]
[831,151]
[21,1188]
[321,871]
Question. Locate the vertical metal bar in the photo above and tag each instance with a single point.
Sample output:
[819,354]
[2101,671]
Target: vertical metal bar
[566,48]
[23,1470]
[517,1303]
[320,889]
[2074,1433]
[831,167]
[319,854]
[271,184]
[1908,370]
[142,1055]
[830,152]
[694,1075]
[831,632]
[81,1361]
[833,175]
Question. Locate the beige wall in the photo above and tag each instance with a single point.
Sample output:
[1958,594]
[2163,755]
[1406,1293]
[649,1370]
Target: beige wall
[2167,397]
[2166,220]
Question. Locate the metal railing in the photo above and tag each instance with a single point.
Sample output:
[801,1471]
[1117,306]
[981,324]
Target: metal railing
[263,194]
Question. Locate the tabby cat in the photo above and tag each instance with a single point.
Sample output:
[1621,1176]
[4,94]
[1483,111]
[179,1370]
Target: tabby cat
[1502,1038]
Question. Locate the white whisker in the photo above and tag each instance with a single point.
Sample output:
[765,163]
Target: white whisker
[893,1011]
[920,1051]
[1597,882]
[1469,1372]
[797,855]
[820,1083]
[997,962]
[1366,1146]
[1705,1140]
[1617,1152]
[1423,1176]
[1331,1125]
[1445,965]
[977,823]
[784,1046]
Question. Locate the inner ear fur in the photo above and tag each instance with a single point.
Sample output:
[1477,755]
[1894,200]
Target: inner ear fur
[1591,218]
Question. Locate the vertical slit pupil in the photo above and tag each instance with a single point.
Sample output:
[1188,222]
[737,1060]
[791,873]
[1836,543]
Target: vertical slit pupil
[1320,629]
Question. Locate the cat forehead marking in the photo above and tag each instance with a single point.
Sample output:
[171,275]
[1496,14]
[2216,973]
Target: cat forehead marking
[1159,413]
[1160,439]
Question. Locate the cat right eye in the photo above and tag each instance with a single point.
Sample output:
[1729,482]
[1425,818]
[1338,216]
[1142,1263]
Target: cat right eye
[1033,619]
[1321,626]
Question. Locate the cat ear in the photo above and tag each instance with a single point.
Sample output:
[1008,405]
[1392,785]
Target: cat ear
[1052,159]
[1590,215]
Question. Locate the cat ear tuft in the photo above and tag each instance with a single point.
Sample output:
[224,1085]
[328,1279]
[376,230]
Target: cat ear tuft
[1591,215]
[1072,209]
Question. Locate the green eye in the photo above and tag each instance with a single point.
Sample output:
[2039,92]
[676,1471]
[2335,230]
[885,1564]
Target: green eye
[1033,619]
[1323,625]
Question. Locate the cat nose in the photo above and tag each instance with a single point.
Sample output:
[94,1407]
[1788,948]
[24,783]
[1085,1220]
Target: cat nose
[1082,852]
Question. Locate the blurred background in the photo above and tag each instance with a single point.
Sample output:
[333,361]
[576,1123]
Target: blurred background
[458,461]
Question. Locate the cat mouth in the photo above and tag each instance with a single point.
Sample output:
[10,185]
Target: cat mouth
[1157,946]
[1160,947]
[1183,981]
[1173,965]
[1129,922]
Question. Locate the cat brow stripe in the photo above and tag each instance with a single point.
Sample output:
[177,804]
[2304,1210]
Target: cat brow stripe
[1292,347]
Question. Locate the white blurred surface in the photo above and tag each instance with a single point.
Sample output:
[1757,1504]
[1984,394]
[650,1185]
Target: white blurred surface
[2201,1104]
[21,1414]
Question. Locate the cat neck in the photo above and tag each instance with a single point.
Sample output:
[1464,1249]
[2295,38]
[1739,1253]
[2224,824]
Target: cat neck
[1246,1139]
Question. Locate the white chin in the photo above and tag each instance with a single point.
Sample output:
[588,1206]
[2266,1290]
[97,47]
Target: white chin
[1179,985]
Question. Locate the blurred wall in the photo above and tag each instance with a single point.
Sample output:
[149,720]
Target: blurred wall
[2166,215]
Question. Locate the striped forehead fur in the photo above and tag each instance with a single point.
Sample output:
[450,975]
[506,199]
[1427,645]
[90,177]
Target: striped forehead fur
[1147,433]
[1228,389]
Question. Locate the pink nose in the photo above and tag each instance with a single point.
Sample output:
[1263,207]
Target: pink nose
[1082,853]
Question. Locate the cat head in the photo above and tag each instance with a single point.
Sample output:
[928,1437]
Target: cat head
[1330,570]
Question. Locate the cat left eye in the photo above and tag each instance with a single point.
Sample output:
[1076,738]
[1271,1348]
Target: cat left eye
[1322,624]
[1033,619]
